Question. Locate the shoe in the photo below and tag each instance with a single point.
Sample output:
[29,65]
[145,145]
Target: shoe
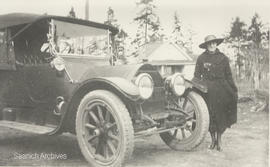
[219,148]
[213,145]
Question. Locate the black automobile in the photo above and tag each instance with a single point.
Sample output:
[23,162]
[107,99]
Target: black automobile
[57,74]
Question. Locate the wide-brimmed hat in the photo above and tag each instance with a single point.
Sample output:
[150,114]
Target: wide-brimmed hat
[210,38]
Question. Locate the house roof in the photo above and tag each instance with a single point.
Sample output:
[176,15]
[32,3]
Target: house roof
[165,53]
[14,19]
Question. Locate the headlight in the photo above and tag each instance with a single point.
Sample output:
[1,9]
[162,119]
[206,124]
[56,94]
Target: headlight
[58,63]
[145,84]
[177,84]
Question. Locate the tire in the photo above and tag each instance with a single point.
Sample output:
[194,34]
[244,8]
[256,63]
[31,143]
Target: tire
[197,126]
[1,111]
[1,114]
[104,129]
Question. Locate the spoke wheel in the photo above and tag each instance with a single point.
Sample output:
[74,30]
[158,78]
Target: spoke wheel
[104,129]
[196,127]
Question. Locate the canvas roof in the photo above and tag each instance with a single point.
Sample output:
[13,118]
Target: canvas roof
[14,19]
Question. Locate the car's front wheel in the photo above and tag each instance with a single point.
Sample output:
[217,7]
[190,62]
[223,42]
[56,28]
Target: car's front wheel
[104,129]
[196,127]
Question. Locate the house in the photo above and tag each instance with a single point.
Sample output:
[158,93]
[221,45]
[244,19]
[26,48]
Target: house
[168,58]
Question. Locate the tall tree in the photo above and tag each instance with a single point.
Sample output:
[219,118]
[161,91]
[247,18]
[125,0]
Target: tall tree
[72,13]
[237,29]
[177,30]
[111,18]
[181,34]
[255,33]
[149,28]
[120,37]
[257,58]
[237,36]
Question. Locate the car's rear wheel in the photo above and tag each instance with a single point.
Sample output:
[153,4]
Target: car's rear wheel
[196,127]
[104,129]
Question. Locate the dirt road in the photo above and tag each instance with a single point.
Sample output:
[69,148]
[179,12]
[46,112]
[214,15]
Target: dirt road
[245,145]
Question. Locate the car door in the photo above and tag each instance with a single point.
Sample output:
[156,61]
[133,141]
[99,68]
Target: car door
[43,83]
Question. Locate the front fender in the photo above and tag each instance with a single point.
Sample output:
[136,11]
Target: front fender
[198,84]
[125,87]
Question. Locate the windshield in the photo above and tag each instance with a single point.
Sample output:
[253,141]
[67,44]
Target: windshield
[75,39]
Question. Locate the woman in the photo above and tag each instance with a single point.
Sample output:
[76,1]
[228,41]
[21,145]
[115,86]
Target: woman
[213,69]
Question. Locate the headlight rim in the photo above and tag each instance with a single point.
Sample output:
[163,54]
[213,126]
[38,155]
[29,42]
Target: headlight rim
[172,83]
[137,82]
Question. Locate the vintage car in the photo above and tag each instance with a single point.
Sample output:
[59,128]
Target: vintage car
[57,75]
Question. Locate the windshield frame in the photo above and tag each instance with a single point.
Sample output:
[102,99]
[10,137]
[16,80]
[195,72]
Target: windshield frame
[53,42]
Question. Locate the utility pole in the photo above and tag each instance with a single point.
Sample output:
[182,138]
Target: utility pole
[86,9]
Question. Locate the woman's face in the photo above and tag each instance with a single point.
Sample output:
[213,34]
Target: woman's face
[212,46]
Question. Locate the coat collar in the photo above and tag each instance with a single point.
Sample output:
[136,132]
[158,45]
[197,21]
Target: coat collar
[215,58]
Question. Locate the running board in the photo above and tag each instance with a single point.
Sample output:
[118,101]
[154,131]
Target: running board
[31,128]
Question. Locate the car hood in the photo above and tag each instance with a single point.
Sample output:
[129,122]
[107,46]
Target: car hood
[82,70]
[122,71]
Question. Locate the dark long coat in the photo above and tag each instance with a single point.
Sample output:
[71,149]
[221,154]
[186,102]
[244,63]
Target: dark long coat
[214,70]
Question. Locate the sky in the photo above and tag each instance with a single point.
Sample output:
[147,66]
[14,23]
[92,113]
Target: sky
[204,17]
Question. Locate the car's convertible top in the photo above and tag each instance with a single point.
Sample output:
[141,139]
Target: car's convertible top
[14,19]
